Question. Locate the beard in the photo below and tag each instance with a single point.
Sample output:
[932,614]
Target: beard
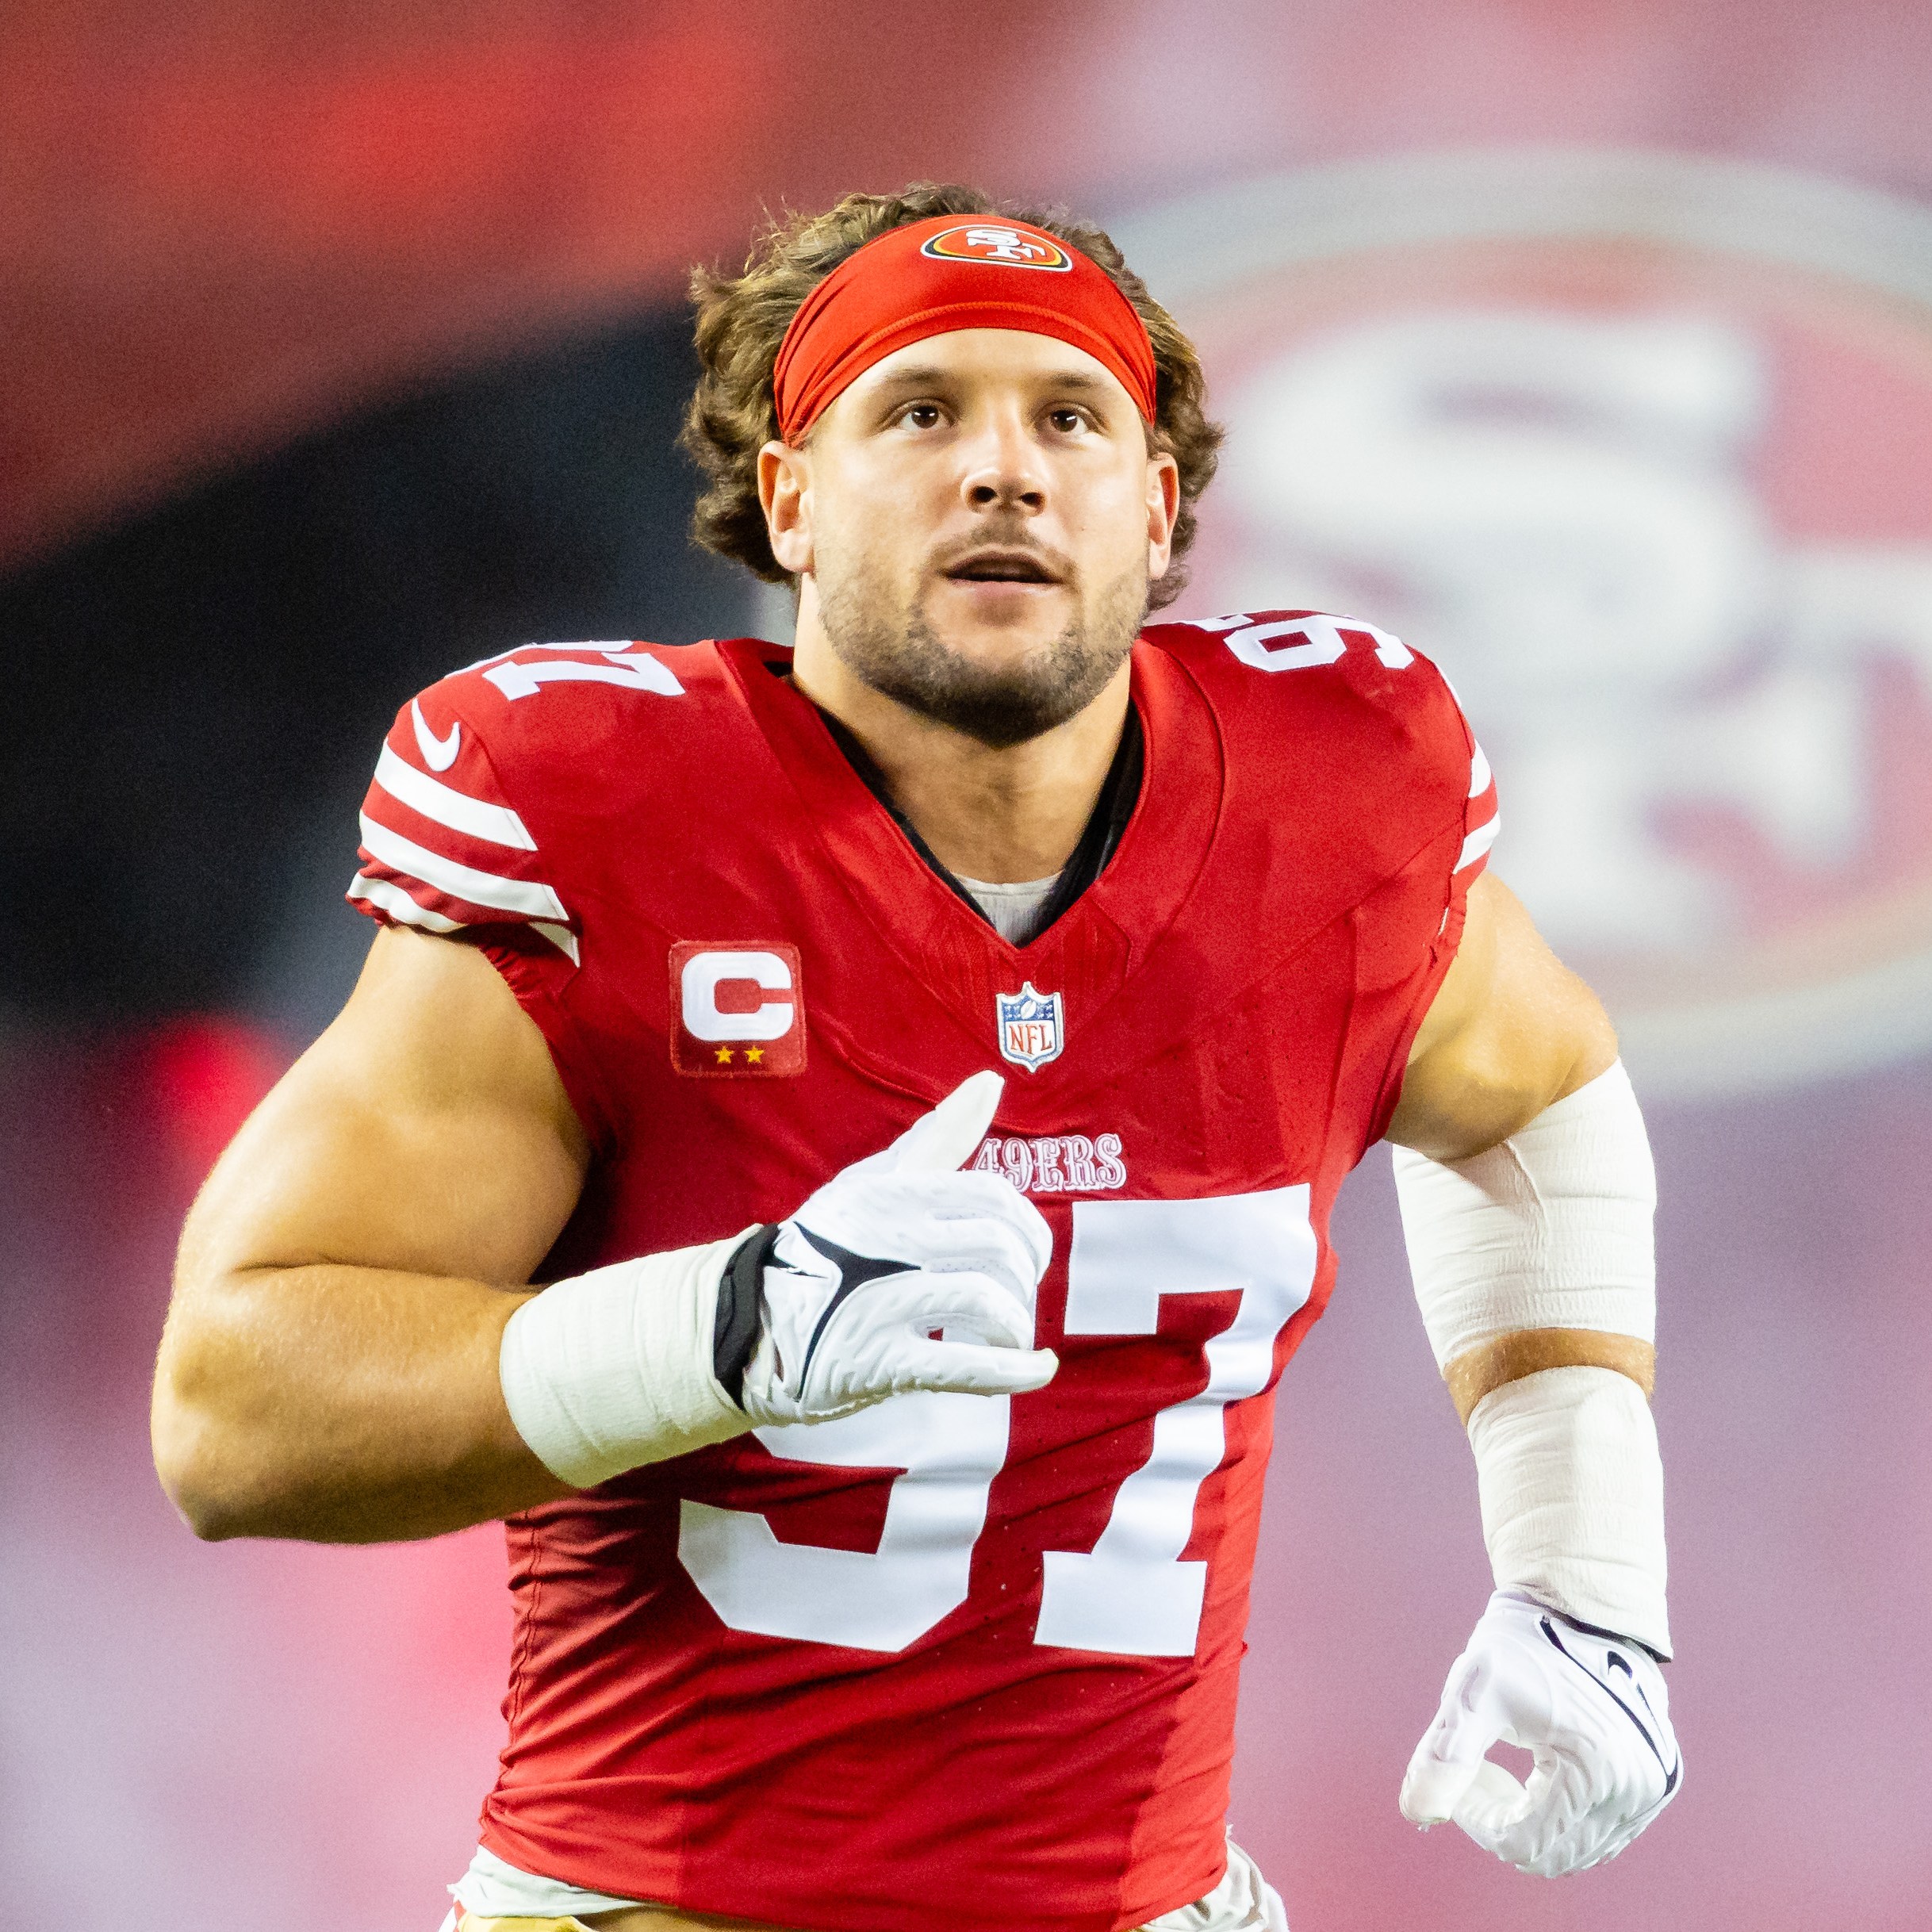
[901,656]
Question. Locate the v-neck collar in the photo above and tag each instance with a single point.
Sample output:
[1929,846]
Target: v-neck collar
[1119,792]
[1101,940]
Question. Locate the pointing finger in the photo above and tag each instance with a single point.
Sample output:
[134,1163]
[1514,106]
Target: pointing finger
[947,1137]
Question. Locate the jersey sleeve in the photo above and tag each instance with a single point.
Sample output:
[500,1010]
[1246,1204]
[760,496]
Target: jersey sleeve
[1445,744]
[463,835]
[443,847]
[1397,754]
[1482,815]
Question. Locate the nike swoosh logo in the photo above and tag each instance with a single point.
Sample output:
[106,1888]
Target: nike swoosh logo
[855,1271]
[438,753]
[1672,1773]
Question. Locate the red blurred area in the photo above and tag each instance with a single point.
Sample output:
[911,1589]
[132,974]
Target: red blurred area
[203,1077]
[222,232]
[225,222]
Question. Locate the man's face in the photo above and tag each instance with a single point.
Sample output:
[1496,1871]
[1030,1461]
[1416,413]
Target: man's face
[977,519]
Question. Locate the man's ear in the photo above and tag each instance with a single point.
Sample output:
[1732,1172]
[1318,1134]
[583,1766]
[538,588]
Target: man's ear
[1164,506]
[785,491]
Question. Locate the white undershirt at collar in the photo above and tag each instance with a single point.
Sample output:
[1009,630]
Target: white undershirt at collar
[1013,910]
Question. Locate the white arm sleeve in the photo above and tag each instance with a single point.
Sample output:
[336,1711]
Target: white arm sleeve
[613,1369]
[1552,1229]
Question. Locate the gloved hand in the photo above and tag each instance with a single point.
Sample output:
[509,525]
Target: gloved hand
[895,1247]
[1593,1710]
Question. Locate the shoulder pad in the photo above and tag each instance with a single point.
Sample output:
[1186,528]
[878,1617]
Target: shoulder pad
[467,768]
[1358,685]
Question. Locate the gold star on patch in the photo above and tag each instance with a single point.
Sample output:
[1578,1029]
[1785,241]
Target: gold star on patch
[724,1056]
[754,1055]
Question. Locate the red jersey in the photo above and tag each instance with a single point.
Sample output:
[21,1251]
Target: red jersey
[953,1661]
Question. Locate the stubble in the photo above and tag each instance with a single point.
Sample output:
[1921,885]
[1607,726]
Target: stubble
[898,653]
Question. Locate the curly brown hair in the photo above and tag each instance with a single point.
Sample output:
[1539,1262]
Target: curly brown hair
[742,320]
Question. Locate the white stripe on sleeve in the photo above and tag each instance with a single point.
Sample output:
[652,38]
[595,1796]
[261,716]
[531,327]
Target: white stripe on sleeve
[458,810]
[561,936]
[398,905]
[1479,774]
[530,897]
[1479,841]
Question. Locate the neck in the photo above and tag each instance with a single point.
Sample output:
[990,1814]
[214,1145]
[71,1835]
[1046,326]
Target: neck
[1004,815]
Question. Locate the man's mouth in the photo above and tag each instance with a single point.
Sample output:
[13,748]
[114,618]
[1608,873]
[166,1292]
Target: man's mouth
[998,566]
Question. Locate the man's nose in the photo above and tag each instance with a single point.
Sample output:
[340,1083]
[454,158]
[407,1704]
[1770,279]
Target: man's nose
[1004,469]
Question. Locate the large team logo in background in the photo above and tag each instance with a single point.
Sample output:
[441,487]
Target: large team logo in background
[1639,448]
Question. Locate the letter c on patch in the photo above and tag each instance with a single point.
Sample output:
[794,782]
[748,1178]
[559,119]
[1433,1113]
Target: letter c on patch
[704,972]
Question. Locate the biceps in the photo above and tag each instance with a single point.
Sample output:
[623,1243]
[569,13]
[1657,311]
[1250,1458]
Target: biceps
[1512,1030]
[425,1131]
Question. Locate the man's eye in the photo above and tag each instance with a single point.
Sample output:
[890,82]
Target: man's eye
[1068,421]
[922,416]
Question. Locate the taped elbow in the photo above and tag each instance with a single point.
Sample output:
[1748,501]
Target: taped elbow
[1550,1231]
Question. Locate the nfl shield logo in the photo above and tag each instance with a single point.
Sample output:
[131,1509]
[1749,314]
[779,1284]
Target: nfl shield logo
[1032,1026]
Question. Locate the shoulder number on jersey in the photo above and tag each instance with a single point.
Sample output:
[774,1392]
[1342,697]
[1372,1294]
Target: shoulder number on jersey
[624,666]
[1299,643]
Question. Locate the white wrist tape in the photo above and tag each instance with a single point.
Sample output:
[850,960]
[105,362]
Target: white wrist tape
[1573,1498]
[1551,1229]
[607,1370]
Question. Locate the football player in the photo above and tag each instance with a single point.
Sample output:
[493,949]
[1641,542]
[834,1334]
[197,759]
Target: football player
[919,1064]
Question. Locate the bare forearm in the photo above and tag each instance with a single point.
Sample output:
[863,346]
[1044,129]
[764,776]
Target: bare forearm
[339,1405]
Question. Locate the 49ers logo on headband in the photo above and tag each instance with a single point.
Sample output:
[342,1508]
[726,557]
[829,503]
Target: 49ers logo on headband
[1008,247]
[923,279]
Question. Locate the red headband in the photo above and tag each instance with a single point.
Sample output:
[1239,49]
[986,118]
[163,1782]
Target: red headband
[953,272]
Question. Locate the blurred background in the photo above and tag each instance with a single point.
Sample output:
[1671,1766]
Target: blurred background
[1587,343]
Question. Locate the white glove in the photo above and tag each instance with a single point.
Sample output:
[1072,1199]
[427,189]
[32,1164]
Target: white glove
[1591,1707]
[895,1247]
